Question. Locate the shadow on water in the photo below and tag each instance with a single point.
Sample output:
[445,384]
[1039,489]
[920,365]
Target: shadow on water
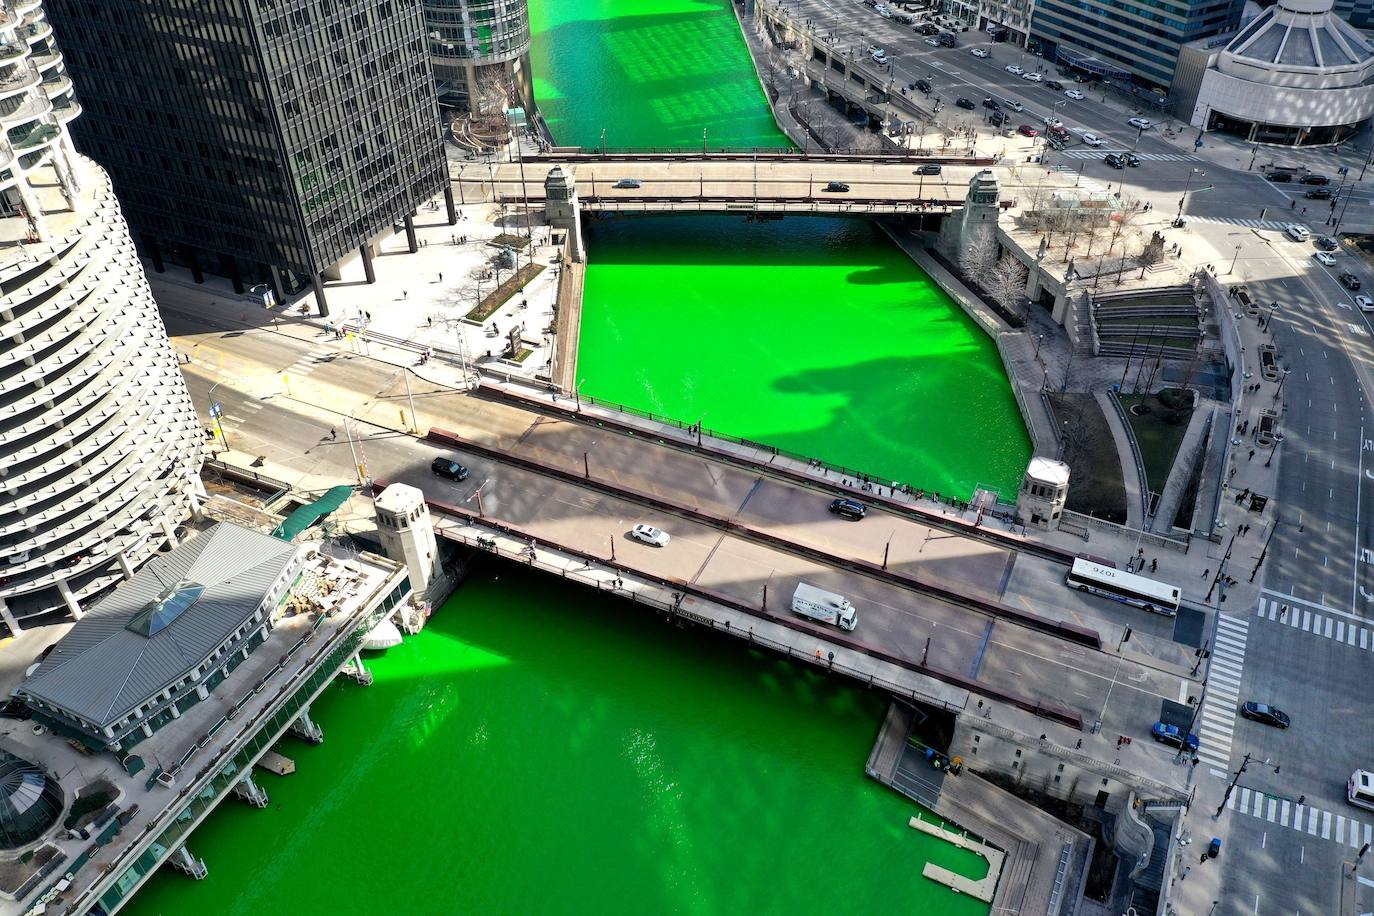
[607,764]
[649,72]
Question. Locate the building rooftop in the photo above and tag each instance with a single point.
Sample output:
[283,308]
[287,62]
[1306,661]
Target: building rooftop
[164,622]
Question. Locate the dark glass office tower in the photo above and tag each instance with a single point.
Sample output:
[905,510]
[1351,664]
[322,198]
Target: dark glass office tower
[262,140]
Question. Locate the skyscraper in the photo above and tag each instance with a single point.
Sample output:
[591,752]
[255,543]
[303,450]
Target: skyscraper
[263,141]
[481,51]
[100,447]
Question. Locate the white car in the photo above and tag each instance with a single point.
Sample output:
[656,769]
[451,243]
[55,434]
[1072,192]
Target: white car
[1052,121]
[980,52]
[654,537]
[1364,303]
[879,57]
[932,42]
[1092,139]
[1140,123]
[1013,69]
[1032,77]
[1322,257]
[1074,94]
[1013,105]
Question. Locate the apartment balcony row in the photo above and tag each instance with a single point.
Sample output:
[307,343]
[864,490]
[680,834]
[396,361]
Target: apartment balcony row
[11,51]
[69,328]
[33,136]
[17,79]
[34,29]
[46,60]
[35,304]
[21,109]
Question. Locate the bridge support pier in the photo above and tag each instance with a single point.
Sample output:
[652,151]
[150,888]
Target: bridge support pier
[248,790]
[306,729]
[355,669]
[183,861]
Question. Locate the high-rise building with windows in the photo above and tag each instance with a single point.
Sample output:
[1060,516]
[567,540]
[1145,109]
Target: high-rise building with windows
[481,52]
[267,141]
[100,447]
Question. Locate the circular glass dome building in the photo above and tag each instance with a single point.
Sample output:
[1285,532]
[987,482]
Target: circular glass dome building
[30,802]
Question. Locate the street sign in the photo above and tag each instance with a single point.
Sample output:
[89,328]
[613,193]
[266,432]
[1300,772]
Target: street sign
[216,410]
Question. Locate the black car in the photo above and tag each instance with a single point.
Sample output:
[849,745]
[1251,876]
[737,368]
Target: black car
[848,508]
[997,118]
[836,187]
[1055,85]
[1325,243]
[927,170]
[1349,281]
[923,85]
[447,468]
[1318,194]
[1262,712]
[946,39]
[13,709]
[1131,159]
[1279,177]
[927,28]
[965,103]
[627,183]
[992,103]
[1314,178]
[1114,160]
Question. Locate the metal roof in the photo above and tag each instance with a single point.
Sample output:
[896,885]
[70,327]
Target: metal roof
[111,661]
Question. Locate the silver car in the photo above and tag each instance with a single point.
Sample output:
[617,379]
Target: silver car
[648,534]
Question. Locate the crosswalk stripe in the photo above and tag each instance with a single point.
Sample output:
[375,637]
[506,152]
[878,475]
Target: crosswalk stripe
[1238,624]
[1307,620]
[1283,814]
[1271,809]
[1364,638]
[1340,631]
[1312,821]
[1259,804]
[1326,825]
[1329,621]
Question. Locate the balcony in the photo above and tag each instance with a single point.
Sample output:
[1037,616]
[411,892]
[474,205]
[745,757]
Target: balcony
[34,136]
[29,108]
[20,81]
[54,87]
[12,51]
[66,109]
[46,60]
[36,32]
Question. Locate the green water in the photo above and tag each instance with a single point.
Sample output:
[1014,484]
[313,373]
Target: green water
[649,73]
[815,335]
[539,749]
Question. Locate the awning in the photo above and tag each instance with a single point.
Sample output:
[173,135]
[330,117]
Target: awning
[308,515]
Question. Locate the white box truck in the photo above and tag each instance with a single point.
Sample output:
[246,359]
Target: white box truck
[827,607]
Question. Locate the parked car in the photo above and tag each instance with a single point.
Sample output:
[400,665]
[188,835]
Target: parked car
[851,509]
[627,183]
[1325,243]
[965,103]
[1092,139]
[1032,77]
[928,28]
[1173,736]
[931,169]
[1013,69]
[923,85]
[1321,257]
[1141,123]
[1074,94]
[14,709]
[1313,178]
[1026,130]
[448,469]
[1115,160]
[1263,712]
[648,534]
[1013,105]
[1349,281]
[1279,177]
[1054,84]
[980,52]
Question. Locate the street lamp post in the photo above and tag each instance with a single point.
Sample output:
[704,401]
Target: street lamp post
[1269,319]
[1234,260]
[1231,787]
[1282,378]
[1186,186]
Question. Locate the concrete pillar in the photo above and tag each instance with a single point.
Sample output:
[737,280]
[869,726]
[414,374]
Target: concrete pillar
[365,252]
[65,591]
[317,284]
[146,729]
[155,252]
[411,242]
[250,791]
[448,203]
[202,692]
[8,616]
[193,259]
[176,713]
[183,861]
[306,729]
[125,567]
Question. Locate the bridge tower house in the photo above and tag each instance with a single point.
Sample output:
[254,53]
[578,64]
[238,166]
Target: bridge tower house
[561,208]
[1044,488]
[977,218]
[406,532]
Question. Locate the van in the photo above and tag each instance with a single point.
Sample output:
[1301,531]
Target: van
[1297,233]
[1360,790]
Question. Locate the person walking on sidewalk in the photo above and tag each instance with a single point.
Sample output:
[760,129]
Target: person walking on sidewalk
[333,434]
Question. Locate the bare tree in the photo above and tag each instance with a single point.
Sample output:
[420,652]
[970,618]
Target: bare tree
[1121,221]
[1151,254]
[1006,283]
[491,95]
[978,256]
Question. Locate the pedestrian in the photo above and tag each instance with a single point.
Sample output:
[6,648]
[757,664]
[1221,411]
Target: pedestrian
[1283,611]
[1154,564]
[441,276]
[405,294]
[1202,860]
[1304,211]
[368,316]
[1252,455]
[1293,205]
[429,322]
[333,435]
[1186,869]
[1205,572]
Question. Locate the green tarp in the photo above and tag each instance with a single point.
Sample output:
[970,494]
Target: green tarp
[308,515]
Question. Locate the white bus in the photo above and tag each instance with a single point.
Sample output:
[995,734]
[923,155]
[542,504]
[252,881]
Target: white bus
[1120,585]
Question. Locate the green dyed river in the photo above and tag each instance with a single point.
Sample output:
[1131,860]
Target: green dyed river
[539,749]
